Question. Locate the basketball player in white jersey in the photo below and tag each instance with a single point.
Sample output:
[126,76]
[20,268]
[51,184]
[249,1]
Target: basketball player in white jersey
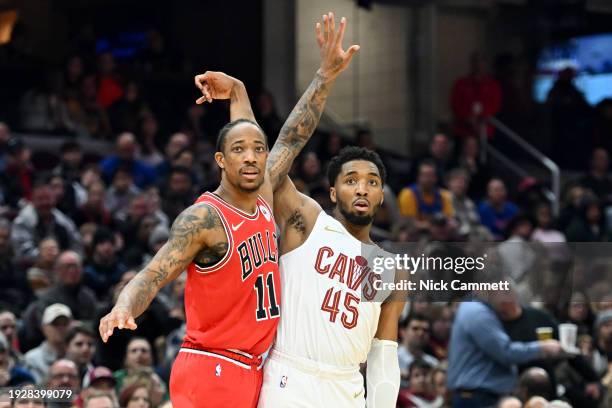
[327,328]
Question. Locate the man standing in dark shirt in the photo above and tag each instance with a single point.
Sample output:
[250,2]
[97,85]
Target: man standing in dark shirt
[521,324]
[597,179]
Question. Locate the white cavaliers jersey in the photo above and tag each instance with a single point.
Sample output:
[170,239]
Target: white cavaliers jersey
[326,314]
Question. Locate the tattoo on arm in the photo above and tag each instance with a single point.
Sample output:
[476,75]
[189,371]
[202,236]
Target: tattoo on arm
[296,221]
[184,243]
[298,128]
[212,255]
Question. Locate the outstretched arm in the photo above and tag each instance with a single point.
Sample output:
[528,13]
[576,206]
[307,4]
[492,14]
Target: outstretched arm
[196,229]
[217,85]
[383,371]
[304,118]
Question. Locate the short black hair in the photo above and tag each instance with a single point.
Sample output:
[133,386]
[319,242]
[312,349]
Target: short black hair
[179,170]
[419,363]
[225,129]
[79,328]
[427,162]
[414,316]
[351,153]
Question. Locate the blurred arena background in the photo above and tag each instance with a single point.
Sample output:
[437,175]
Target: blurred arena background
[500,110]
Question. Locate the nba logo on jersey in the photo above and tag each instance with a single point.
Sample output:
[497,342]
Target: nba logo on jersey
[218,370]
[265,212]
[283,381]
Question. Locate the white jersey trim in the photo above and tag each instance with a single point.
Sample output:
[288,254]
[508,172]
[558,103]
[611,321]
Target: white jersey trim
[234,209]
[205,353]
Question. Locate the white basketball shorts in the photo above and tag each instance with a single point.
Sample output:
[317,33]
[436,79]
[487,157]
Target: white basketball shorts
[291,381]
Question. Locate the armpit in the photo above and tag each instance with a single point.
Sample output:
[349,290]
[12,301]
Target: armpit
[296,220]
[210,256]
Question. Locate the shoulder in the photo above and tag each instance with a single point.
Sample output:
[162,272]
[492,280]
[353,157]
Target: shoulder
[539,314]
[511,208]
[33,354]
[445,194]
[406,193]
[109,162]
[471,311]
[202,215]
[431,360]
[62,218]
[88,294]
[483,206]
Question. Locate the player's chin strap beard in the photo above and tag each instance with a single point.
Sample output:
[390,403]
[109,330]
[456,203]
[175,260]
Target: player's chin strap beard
[361,220]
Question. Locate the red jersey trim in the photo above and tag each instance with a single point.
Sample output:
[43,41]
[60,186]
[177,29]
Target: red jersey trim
[234,209]
[230,246]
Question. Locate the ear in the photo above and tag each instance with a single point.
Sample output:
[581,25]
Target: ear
[220,159]
[332,195]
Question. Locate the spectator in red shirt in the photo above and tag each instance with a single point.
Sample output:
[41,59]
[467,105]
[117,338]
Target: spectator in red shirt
[474,98]
[110,88]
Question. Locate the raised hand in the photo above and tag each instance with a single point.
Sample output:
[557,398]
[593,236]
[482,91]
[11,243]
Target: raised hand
[334,59]
[214,85]
[119,318]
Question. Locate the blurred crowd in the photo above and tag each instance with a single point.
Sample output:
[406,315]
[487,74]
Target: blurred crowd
[78,225]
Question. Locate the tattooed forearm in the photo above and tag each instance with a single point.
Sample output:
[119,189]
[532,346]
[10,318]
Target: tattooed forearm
[185,241]
[298,128]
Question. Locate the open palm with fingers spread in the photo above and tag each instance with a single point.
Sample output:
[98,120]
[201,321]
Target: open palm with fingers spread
[334,59]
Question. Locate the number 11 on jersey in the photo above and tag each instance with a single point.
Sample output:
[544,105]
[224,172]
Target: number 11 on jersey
[262,312]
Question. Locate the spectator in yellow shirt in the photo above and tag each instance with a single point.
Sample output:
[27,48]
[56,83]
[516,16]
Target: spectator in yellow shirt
[424,199]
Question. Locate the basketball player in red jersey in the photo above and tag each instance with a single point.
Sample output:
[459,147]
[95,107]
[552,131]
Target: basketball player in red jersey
[227,242]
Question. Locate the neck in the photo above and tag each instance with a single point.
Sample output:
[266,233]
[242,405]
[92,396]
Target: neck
[426,190]
[360,232]
[515,313]
[58,347]
[240,199]
[497,205]
[598,173]
[416,352]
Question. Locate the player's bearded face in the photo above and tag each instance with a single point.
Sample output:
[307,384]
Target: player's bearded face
[244,158]
[358,192]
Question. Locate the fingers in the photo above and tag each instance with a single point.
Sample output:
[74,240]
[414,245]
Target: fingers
[332,25]
[198,81]
[120,320]
[203,84]
[319,35]
[340,35]
[202,79]
[131,323]
[325,27]
[207,93]
[106,328]
[351,51]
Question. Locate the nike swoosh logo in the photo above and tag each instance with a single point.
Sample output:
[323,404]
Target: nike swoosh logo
[235,227]
[328,228]
[357,394]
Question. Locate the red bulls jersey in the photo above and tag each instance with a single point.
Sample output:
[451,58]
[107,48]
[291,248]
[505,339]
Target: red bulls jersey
[235,304]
